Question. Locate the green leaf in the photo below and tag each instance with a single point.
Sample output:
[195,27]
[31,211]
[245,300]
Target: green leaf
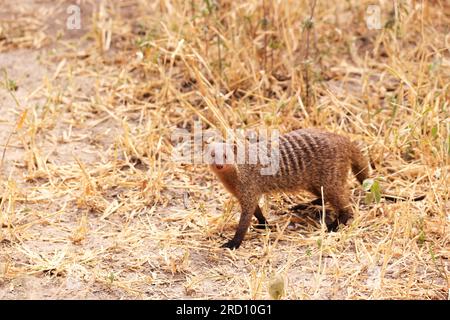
[11,85]
[422,238]
[308,24]
[433,256]
[376,191]
[111,277]
[369,198]
[367,184]
[434,132]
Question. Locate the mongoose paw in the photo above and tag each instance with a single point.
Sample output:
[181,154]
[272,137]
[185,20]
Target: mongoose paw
[261,226]
[343,218]
[333,226]
[231,245]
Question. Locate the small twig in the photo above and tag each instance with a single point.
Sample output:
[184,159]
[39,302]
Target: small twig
[19,121]
[193,11]
[264,25]
[219,53]
[308,26]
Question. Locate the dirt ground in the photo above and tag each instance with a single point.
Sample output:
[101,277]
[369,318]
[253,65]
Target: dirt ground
[92,207]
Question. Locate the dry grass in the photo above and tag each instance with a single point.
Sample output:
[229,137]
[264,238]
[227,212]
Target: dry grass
[93,207]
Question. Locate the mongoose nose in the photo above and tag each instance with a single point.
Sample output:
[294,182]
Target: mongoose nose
[219,166]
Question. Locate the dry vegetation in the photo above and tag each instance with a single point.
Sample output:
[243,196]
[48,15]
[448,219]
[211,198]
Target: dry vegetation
[91,205]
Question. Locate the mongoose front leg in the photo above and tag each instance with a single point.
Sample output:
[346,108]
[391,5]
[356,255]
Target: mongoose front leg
[244,223]
[262,222]
[340,203]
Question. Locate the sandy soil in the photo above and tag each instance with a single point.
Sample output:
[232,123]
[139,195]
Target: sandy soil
[84,216]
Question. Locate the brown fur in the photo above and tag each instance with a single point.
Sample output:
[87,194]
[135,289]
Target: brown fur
[310,159]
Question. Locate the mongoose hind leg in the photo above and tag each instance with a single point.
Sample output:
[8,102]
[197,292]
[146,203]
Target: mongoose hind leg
[339,200]
[262,221]
[333,226]
[341,219]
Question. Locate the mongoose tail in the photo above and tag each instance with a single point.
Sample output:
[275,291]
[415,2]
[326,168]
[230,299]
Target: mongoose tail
[359,164]
[394,198]
[360,169]
[397,199]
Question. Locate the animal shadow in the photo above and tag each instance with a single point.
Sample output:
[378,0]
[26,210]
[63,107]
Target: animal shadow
[313,211]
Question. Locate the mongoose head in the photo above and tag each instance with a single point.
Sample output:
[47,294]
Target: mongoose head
[221,158]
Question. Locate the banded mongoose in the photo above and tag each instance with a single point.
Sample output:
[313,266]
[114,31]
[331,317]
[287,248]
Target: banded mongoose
[309,159]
